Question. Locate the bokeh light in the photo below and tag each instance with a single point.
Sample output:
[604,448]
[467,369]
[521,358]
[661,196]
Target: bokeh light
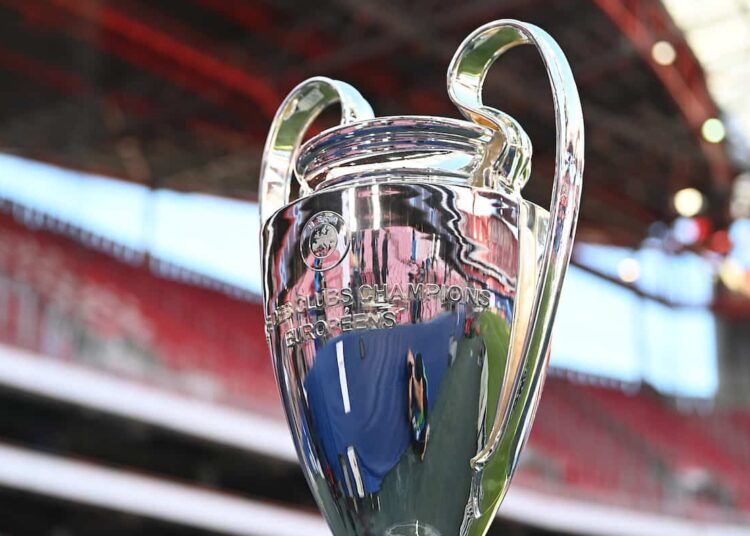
[629,270]
[663,53]
[713,130]
[688,202]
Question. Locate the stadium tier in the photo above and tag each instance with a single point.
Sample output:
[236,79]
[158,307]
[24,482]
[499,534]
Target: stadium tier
[70,301]
[181,333]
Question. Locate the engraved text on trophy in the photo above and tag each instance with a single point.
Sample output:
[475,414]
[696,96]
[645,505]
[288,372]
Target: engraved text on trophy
[379,306]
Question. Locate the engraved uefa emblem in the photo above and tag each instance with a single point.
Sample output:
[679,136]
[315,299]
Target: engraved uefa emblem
[325,241]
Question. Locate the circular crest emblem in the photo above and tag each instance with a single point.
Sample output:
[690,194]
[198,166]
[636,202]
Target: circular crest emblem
[325,241]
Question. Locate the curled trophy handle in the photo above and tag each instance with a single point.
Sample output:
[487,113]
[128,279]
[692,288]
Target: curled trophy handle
[295,115]
[466,76]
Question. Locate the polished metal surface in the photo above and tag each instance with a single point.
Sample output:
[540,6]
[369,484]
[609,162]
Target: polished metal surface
[409,294]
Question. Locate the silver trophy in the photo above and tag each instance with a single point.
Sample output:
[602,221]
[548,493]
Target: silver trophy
[410,291]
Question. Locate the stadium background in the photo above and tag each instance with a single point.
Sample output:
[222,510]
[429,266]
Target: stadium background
[136,394]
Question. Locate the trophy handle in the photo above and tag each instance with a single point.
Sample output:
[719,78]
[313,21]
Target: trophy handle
[295,115]
[466,75]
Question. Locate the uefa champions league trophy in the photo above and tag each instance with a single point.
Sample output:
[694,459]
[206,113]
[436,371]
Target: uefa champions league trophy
[410,291]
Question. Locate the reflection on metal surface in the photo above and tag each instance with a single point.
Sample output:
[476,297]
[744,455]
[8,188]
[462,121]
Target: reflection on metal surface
[409,295]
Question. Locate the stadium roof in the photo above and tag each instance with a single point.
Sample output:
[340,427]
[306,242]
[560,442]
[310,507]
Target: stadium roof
[180,94]
[718,32]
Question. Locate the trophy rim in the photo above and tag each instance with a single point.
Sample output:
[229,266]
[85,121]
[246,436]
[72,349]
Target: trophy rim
[454,149]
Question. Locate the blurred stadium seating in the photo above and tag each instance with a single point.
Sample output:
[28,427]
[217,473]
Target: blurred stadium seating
[136,391]
[103,304]
[158,325]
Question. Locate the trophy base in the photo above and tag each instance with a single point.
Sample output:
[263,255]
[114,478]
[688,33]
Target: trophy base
[412,528]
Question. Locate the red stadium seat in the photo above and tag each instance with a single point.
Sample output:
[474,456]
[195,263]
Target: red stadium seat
[152,322]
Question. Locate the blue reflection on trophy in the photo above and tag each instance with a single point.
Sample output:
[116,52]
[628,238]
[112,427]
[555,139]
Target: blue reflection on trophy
[364,436]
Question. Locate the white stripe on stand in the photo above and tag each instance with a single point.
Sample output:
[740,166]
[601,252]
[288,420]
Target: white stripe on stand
[342,376]
[355,471]
[83,386]
[562,513]
[123,491]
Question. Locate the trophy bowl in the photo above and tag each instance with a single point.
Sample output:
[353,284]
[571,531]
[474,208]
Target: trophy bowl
[409,293]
